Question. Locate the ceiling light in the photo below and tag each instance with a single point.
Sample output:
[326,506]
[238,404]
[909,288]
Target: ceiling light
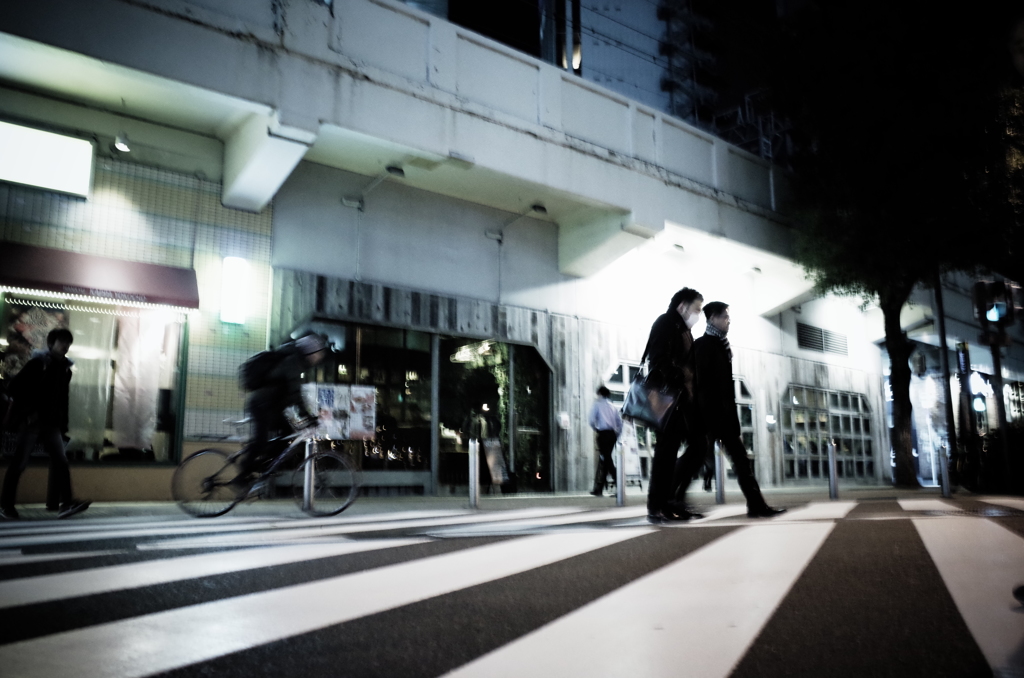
[121,143]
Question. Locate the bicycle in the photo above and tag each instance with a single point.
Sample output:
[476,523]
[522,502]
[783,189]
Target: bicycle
[207,484]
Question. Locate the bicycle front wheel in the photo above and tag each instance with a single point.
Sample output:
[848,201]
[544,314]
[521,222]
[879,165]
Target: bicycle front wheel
[325,484]
[202,484]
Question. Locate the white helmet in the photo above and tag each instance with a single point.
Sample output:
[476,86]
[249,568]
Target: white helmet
[309,344]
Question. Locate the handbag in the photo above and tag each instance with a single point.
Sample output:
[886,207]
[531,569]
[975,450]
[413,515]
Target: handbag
[650,403]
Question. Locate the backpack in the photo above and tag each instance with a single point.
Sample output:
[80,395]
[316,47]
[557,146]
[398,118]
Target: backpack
[255,372]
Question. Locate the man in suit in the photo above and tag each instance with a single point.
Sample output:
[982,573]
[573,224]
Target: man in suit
[668,355]
[715,400]
[605,420]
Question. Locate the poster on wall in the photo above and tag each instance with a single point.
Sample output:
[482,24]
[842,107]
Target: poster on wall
[344,412]
[362,413]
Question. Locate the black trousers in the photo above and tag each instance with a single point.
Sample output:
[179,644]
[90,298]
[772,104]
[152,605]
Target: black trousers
[605,465]
[687,466]
[664,465]
[59,481]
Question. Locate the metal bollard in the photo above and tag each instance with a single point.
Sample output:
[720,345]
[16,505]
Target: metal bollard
[833,478]
[719,475]
[944,471]
[474,473]
[620,479]
[309,477]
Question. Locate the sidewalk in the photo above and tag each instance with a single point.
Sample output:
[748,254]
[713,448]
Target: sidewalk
[287,509]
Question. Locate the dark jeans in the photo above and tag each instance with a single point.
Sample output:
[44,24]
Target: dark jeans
[605,464]
[59,481]
[665,467]
[268,423]
[687,467]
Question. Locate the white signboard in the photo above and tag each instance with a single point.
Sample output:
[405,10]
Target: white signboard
[345,412]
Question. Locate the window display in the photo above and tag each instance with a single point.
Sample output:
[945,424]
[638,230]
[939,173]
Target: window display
[123,393]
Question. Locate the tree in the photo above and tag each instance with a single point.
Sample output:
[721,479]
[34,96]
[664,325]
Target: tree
[896,156]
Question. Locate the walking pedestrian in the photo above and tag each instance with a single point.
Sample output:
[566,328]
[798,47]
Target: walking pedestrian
[40,412]
[668,355]
[606,421]
[715,399]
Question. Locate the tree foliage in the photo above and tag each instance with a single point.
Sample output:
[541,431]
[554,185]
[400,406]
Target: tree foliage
[899,117]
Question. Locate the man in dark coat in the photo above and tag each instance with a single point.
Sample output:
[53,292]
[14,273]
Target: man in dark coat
[281,389]
[715,399]
[40,395]
[668,354]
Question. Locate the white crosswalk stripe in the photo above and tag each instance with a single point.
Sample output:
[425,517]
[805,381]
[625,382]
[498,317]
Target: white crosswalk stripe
[981,563]
[199,632]
[699,609]
[706,608]
[121,577]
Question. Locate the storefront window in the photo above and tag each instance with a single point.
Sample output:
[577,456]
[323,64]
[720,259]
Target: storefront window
[811,420]
[396,363]
[123,400]
[488,384]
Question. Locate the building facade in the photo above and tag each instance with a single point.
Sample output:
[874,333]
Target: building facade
[485,238]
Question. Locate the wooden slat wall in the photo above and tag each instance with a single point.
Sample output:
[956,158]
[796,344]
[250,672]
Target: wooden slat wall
[580,353]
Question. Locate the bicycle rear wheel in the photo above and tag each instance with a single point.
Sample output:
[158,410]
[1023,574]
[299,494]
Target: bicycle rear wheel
[325,484]
[202,484]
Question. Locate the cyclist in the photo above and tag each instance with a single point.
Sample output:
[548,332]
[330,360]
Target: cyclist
[279,388]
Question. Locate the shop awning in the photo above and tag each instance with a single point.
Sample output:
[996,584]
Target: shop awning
[111,280]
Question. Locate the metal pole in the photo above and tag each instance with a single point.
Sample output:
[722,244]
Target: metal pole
[719,475]
[940,313]
[435,412]
[474,473]
[308,478]
[620,474]
[997,388]
[944,471]
[833,479]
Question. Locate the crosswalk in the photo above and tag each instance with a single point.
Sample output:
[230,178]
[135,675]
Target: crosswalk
[838,588]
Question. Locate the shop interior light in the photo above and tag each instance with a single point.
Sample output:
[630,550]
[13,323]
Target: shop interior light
[979,404]
[45,160]
[235,290]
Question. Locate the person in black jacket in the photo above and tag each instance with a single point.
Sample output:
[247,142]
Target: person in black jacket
[668,354]
[715,398]
[281,389]
[40,395]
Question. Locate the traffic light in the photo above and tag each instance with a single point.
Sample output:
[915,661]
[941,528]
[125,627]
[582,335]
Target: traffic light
[994,302]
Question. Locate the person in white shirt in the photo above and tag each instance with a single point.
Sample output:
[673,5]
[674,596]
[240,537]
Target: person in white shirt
[604,418]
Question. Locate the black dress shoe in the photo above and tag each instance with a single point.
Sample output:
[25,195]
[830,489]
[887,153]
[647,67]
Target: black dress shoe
[72,507]
[597,493]
[682,515]
[764,512]
[8,513]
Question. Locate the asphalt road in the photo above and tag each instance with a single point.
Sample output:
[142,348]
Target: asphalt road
[868,587]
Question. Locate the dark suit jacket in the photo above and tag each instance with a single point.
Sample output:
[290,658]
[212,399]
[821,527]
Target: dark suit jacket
[668,352]
[713,388]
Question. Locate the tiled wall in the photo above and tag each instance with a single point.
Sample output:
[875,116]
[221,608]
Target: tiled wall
[150,215]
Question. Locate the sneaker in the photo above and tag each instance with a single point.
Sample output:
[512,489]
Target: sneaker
[764,512]
[72,507]
[8,513]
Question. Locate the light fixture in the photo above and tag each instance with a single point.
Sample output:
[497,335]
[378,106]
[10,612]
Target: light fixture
[979,404]
[359,201]
[539,208]
[53,162]
[235,290]
[121,143]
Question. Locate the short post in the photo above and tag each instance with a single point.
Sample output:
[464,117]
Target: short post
[833,478]
[474,473]
[944,471]
[309,477]
[620,478]
[719,475]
